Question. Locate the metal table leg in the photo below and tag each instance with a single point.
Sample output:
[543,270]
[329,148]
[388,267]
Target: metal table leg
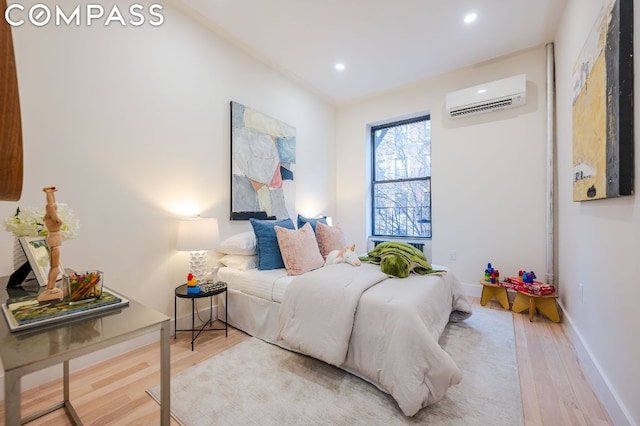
[165,376]
[193,321]
[12,395]
[226,319]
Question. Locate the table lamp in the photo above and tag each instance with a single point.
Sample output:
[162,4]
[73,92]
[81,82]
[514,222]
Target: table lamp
[196,236]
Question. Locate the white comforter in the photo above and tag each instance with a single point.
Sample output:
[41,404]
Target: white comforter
[381,328]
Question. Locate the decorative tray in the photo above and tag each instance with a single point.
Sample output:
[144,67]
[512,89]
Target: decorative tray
[26,312]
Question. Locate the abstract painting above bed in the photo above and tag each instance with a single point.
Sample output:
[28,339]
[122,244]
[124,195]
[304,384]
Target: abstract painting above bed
[263,157]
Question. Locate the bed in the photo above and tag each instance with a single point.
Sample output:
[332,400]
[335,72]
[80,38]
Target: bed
[380,328]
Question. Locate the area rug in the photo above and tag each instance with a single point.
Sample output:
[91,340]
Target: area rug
[256,383]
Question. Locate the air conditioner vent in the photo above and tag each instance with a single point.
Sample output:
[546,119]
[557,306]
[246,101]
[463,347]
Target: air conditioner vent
[503,103]
[493,96]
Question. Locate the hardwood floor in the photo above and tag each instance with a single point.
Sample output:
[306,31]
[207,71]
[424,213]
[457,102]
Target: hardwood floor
[554,389]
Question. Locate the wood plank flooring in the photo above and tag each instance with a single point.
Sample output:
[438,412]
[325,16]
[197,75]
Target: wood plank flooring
[555,391]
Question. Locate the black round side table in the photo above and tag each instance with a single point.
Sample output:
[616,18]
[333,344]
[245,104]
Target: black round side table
[181,292]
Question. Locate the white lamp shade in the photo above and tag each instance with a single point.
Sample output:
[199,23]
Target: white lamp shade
[197,234]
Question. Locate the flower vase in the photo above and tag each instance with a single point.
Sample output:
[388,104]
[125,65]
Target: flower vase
[19,258]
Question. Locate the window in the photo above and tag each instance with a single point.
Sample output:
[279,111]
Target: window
[401,178]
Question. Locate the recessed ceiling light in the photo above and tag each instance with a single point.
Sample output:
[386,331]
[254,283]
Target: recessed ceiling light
[340,66]
[470,18]
[482,91]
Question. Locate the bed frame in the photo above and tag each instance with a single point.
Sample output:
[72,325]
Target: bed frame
[253,315]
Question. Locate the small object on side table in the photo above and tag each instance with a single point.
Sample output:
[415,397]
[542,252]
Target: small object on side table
[491,274]
[192,284]
[527,276]
[83,286]
[209,287]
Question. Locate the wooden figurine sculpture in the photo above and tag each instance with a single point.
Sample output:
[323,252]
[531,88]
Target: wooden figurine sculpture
[53,223]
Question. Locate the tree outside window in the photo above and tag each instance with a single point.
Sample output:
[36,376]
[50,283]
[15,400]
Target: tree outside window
[402,178]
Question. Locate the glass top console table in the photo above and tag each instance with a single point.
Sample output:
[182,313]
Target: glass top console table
[27,351]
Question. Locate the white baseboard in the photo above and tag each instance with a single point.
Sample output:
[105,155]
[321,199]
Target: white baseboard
[601,384]
[473,290]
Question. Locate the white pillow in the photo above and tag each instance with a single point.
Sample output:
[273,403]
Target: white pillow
[239,261]
[243,243]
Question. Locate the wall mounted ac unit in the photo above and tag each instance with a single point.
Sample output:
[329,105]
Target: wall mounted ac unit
[493,96]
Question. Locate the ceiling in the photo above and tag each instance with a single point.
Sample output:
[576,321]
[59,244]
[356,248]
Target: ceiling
[382,43]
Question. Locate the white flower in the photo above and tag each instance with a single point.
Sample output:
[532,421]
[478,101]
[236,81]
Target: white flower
[30,222]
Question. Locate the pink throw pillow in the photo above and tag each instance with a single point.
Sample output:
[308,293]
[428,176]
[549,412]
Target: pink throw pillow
[299,249]
[329,238]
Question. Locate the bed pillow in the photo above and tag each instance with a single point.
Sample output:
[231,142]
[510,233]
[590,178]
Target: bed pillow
[329,238]
[269,256]
[302,220]
[239,261]
[299,249]
[243,243]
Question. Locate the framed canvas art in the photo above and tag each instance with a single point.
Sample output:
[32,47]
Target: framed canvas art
[603,132]
[263,158]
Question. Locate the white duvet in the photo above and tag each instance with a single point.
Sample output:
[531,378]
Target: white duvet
[381,328]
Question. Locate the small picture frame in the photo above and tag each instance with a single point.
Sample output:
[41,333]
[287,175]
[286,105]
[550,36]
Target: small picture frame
[37,252]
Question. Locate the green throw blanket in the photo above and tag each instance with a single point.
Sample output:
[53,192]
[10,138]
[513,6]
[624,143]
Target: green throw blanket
[399,259]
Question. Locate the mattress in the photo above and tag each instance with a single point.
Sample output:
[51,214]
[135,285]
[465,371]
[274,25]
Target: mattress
[269,285]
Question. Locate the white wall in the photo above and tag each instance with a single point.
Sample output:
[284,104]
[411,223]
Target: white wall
[132,125]
[599,242]
[488,171]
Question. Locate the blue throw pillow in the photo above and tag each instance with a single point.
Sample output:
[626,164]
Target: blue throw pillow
[302,220]
[269,256]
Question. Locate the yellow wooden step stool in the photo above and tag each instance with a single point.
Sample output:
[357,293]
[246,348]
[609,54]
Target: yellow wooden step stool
[490,290]
[545,304]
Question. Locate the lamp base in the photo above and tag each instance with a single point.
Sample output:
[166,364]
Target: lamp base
[198,264]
